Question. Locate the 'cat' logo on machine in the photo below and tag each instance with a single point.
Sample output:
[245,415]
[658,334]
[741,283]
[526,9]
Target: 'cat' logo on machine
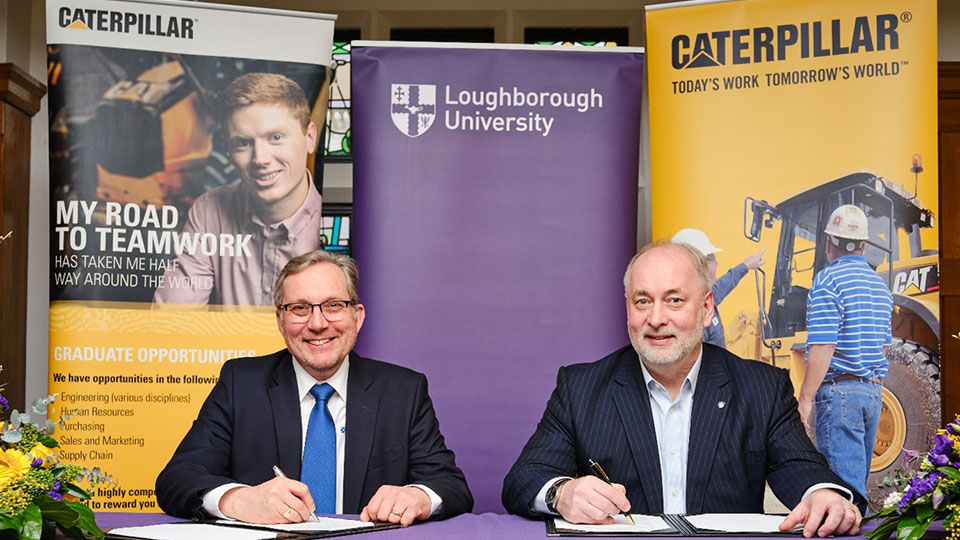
[916,280]
[126,22]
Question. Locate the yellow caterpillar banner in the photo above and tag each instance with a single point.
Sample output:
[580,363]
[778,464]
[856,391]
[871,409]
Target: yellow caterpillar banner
[767,114]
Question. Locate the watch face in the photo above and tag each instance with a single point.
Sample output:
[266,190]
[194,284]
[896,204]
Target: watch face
[551,497]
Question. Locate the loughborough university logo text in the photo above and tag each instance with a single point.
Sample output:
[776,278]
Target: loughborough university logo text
[413,107]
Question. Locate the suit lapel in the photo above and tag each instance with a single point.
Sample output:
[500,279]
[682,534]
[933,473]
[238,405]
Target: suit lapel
[361,425]
[286,417]
[711,401]
[633,405]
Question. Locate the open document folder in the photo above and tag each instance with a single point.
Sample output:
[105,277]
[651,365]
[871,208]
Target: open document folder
[323,527]
[677,525]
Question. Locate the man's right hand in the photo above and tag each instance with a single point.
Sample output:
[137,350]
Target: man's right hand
[590,500]
[280,500]
[755,261]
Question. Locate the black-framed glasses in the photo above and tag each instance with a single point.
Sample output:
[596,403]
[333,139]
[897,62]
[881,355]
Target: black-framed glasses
[332,310]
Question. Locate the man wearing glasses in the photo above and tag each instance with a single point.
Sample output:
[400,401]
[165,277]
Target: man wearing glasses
[360,435]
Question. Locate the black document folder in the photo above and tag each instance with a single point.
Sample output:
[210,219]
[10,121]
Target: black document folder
[675,525]
[210,528]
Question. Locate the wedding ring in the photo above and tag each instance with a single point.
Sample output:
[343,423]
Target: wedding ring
[398,514]
[286,514]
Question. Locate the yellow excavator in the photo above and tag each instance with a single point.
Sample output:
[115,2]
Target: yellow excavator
[911,393]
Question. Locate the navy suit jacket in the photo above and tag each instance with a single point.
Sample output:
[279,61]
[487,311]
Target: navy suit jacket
[602,411]
[251,421]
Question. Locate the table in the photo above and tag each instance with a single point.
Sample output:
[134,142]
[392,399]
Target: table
[464,527]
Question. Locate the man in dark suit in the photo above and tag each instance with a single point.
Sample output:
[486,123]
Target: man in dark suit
[390,459]
[686,427]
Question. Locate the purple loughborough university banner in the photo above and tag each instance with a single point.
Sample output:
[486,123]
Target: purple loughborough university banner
[495,210]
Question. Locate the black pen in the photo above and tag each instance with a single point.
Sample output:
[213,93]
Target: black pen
[601,474]
[279,474]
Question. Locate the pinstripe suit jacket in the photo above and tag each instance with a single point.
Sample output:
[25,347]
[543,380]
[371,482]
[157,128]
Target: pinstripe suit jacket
[602,411]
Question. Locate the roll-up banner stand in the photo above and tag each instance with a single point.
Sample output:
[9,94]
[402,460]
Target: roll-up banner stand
[161,257]
[495,210]
[767,114]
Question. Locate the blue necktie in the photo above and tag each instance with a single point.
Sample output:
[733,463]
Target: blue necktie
[319,470]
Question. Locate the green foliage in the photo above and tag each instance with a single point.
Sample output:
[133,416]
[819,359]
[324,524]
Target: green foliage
[32,526]
[28,503]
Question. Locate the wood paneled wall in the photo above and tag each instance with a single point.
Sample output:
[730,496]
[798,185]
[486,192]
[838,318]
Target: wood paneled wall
[20,96]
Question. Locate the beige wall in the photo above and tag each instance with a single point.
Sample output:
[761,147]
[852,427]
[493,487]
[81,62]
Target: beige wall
[22,41]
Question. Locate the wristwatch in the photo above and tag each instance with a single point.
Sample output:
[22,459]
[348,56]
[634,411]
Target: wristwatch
[553,493]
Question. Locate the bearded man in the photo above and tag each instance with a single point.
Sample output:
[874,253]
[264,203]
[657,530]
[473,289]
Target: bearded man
[684,427]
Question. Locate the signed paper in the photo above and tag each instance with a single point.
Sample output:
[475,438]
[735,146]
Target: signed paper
[644,524]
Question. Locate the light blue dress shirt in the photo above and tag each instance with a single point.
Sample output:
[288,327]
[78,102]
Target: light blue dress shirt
[671,420]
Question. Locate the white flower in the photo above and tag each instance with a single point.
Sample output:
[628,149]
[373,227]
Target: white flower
[892,499]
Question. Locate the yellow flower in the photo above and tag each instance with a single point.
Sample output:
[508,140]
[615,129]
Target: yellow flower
[42,452]
[13,465]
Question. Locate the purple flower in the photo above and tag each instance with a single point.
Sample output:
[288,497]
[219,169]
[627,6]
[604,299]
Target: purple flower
[4,403]
[54,492]
[940,455]
[918,487]
[954,427]
[36,463]
[910,456]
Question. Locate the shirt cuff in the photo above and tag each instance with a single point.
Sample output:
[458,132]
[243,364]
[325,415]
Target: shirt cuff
[435,501]
[211,499]
[539,505]
[828,485]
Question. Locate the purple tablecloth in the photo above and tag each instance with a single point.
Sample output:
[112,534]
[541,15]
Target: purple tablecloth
[465,527]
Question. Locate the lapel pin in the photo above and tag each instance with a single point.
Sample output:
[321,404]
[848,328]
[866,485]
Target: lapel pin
[721,404]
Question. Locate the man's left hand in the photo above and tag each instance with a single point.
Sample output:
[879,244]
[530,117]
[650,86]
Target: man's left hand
[824,512]
[396,504]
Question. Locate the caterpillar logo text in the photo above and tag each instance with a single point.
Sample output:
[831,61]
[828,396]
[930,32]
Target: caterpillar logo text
[917,280]
[126,22]
[768,44]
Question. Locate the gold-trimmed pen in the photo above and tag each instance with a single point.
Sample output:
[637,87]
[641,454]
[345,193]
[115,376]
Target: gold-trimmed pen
[601,474]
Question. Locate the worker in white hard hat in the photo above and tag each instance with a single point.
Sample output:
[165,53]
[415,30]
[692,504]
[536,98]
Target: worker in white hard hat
[849,307]
[720,287]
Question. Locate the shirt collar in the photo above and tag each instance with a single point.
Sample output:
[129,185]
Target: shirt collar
[299,219]
[305,381]
[691,377]
[848,258]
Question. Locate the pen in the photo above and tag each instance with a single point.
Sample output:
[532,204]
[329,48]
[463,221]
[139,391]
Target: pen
[601,474]
[279,474]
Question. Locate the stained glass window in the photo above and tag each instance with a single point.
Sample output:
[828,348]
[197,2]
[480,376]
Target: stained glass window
[335,227]
[338,106]
[587,37]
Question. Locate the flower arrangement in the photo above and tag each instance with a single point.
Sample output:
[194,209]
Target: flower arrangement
[38,493]
[930,494]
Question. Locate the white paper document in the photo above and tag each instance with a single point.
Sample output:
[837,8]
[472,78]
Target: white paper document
[322,524]
[190,531]
[644,524]
[737,523]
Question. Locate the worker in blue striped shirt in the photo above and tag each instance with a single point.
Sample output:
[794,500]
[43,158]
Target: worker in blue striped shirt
[848,331]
